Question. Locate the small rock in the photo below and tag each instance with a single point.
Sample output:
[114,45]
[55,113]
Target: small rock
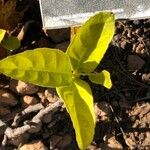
[7,98]
[113,143]
[102,111]
[129,33]
[138,31]
[4,111]
[26,88]
[58,35]
[50,95]
[65,141]
[41,95]
[120,27]
[92,147]
[34,145]
[131,143]
[135,62]
[123,44]
[28,100]
[139,48]
[60,141]
[62,46]
[134,47]
[117,37]
[54,140]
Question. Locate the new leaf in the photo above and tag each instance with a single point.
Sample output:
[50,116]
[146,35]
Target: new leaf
[102,78]
[91,42]
[79,103]
[42,66]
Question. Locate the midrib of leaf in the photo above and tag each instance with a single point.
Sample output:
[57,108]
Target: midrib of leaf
[35,70]
[77,115]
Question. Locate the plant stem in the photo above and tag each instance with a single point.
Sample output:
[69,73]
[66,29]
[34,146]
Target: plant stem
[85,74]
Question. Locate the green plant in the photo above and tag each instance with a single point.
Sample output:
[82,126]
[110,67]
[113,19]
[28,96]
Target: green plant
[9,43]
[54,68]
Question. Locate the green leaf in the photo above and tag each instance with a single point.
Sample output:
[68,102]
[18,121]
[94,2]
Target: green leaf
[102,78]
[11,43]
[2,34]
[42,66]
[91,42]
[79,104]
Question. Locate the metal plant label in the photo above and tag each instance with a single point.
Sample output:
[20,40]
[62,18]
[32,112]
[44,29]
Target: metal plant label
[66,13]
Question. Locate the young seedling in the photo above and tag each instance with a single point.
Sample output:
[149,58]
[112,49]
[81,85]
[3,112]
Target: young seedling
[54,68]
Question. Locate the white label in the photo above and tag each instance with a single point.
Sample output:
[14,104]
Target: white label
[66,13]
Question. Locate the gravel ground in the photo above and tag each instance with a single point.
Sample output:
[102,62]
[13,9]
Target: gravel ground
[32,117]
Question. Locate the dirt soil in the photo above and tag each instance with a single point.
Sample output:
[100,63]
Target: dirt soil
[32,117]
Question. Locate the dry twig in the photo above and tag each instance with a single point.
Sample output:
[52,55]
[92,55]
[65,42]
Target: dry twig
[29,109]
[32,126]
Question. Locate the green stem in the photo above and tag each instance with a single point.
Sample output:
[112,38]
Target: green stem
[85,74]
[78,74]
